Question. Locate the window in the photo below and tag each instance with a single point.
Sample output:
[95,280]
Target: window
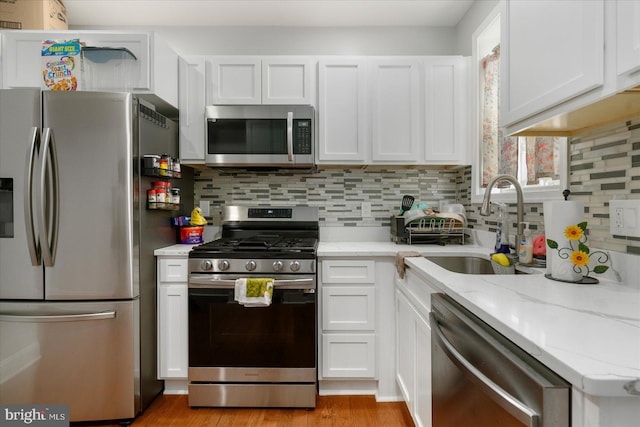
[539,163]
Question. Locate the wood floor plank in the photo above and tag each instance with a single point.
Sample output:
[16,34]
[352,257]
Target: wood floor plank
[330,411]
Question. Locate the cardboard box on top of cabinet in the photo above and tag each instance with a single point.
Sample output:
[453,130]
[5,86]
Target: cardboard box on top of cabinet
[33,15]
[62,65]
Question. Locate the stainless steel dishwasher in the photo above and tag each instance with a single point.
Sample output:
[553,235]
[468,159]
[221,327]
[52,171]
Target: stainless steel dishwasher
[481,379]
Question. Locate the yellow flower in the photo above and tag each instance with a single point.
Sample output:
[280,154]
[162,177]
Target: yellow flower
[573,232]
[579,258]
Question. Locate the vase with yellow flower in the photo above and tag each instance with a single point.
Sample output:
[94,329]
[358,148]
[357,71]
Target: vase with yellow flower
[577,257]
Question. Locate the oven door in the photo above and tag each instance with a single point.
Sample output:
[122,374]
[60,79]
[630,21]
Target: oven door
[232,343]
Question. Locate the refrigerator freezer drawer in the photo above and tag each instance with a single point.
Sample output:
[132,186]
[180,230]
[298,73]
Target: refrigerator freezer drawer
[79,354]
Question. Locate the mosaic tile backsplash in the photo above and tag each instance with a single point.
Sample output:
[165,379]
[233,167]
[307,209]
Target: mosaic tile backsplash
[603,164]
[338,193]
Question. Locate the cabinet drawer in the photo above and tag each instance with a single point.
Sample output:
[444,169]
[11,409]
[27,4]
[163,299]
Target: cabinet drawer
[348,308]
[348,271]
[173,270]
[346,356]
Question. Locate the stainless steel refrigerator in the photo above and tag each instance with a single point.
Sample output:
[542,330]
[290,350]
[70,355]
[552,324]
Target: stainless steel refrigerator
[77,271]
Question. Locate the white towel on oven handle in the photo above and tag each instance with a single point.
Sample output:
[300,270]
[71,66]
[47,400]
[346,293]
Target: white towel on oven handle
[263,300]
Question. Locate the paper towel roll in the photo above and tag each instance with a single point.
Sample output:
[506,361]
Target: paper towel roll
[558,215]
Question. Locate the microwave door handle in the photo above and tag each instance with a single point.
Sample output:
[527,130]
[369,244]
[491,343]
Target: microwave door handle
[290,135]
[519,410]
[32,240]
[49,226]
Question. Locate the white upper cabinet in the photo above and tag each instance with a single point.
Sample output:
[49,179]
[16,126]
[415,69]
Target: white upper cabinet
[342,111]
[250,80]
[627,36]
[445,110]
[550,53]
[286,80]
[392,110]
[233,80]
[21,60]
[191,71]
[396,115]
[155,70]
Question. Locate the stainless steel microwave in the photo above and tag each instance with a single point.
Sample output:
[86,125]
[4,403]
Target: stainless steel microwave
[260,136]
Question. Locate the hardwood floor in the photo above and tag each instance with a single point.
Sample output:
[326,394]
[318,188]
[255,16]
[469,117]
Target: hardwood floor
[347,411]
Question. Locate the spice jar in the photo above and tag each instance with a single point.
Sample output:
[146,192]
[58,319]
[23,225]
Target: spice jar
[164,166]
[152,199]
[161,194]
[175,198]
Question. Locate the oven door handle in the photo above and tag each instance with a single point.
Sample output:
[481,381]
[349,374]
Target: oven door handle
[200,281]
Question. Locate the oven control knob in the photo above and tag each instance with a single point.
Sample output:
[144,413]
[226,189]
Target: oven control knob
[251,265]
[294,266]
[277,265]
[223,265]
[206,265]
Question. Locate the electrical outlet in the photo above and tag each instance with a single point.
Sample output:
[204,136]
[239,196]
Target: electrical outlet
[624,217]
[366,209]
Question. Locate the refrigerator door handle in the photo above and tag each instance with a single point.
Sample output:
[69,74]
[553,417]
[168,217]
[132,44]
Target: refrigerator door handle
[57,318]
[49,229]
[33,242]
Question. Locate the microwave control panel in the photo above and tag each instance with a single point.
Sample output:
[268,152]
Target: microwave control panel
[302,140]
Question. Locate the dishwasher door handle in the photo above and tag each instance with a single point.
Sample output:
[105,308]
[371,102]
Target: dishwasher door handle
[512,405]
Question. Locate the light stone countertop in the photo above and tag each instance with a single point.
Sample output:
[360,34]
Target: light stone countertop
[588,334]
[177,250]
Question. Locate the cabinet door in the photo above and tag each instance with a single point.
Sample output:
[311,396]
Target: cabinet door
[173,270]
[137,43]
[191,106]
[348,356]
[348,308]
[445,113]
[396,117]
[627,36]
[286,81]
[423,373]
[233,80]
[405,349]
[172,331]
[342,111]
[550,53]
[348,271]
[21,56]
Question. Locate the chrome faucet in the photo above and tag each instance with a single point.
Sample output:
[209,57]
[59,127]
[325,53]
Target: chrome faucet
[485,210]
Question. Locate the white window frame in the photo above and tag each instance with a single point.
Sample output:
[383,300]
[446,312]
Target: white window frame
[532,194]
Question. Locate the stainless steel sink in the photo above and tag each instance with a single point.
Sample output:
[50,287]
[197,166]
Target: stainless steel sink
[465,264]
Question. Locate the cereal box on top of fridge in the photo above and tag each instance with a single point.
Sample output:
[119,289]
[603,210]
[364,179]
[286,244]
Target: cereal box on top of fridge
[61,65]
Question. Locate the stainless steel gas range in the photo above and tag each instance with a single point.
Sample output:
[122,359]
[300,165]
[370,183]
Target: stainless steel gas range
[243,356]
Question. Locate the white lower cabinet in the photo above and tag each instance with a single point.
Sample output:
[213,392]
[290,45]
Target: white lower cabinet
[348,355]
[348,327]
[413,349]
[172,319]
[172,331]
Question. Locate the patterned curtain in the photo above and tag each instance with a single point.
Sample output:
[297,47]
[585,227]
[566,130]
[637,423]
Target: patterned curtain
[543,160]
[500,153]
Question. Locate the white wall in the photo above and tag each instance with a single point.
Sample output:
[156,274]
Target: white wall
[470,22]
[306,40]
